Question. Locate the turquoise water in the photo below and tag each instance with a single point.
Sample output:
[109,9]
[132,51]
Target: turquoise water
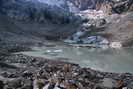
[109,60]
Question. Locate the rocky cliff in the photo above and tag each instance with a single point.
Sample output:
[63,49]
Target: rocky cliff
[41,19]
[33,10]
[21,20]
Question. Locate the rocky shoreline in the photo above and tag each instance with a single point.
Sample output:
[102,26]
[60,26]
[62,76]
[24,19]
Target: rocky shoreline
[18,71]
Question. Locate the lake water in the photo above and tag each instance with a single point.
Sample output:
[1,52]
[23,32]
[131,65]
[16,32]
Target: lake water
[109,60]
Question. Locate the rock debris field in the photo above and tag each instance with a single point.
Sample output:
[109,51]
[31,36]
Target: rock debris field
[18,71]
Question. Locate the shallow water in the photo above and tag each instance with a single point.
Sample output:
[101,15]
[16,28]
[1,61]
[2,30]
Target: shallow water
[109,60]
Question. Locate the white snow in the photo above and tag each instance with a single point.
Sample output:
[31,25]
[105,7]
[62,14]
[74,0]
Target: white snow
[53,2]
[92,14]
[116,45]
[72,8]
[59,3]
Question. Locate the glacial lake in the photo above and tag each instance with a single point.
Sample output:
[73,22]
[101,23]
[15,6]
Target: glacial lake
[108,60]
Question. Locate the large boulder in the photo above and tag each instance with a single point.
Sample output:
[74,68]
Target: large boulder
[109,83]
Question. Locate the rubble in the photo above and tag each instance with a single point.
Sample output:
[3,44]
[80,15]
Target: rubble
[55,74]
[98,41]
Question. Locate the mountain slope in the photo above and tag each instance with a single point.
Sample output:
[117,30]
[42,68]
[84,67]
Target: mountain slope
[18,31]
[23,20]
[122,30]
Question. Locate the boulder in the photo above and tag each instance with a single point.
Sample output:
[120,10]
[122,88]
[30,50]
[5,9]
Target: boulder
[38,84]
[109,83]
[130,85]
[115,45]
[16,83]
[1,85]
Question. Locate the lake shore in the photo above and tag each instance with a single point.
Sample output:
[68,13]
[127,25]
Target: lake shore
[18,71]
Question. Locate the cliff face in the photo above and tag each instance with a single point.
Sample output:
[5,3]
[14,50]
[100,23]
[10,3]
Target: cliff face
[35,19]
[58,11]
[31,10]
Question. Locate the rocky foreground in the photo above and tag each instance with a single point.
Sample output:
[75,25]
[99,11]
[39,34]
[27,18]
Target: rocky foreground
[18,71]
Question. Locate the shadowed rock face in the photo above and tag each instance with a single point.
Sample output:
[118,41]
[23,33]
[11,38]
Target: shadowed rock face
[36,11]
[23,20]
[12,31]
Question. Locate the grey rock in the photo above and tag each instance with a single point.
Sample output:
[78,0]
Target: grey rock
[130,85]
[16,83]
[24,10]
[109,83]
[1,84]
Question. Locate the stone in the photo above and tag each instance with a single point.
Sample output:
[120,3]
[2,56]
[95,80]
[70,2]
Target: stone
[51,84]
[48,86]
[104,42]
[109,83]
[77,35]
[16,83]
[120,84]
[70,41]
[1,85]
[27,84]
[116,45]
[91,39]
[67,68]
[130,85]
[101,22]
[38,84]
[27,73]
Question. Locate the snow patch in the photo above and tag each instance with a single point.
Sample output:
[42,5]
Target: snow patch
[92,14]
[72,8]
[59,3]
[53,2]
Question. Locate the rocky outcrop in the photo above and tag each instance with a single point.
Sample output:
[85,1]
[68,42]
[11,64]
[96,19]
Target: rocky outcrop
[23,20]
